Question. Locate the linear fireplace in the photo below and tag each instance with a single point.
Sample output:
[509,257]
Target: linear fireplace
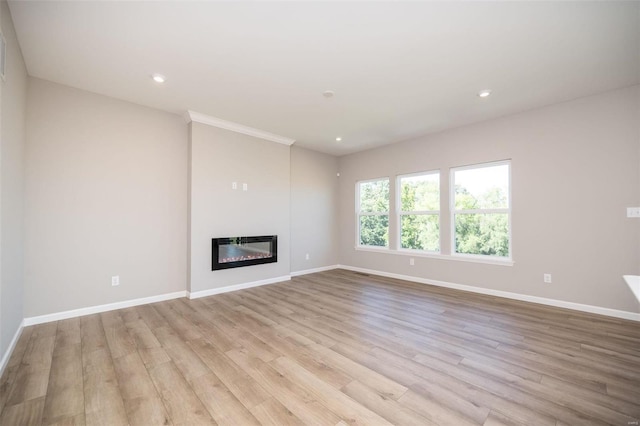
[236,252]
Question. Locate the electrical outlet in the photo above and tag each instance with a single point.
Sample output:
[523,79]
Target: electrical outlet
[547,278]
[115,280]
[306,256]
[234,185]
[412,261]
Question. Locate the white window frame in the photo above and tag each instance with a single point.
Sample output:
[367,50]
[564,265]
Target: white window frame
[453,212]
[359,213]
[400,212]
[3,56]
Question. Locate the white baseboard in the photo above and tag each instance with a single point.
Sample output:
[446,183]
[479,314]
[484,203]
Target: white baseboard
[226,289]
[314,270]
[102,308]
[12,346]
[508,295]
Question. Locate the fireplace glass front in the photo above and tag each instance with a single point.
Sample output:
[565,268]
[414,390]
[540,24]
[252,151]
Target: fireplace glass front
[235,252]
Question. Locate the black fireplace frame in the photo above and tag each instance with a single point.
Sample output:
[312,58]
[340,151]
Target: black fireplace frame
[217,242]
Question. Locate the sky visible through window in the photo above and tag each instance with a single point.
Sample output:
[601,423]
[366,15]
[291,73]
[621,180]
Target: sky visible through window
[478,180]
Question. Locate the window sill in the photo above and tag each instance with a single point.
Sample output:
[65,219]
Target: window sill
[373,249]
[438,256]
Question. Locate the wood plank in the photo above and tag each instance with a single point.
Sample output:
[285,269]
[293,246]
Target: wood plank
[11,370]
[271,412]
[27,413]
[444,386]
[222,405]
[92,334]
[65,393]
[119,341]
[183,327]
[32,378]
[243,387]
[496,418]
[335,347]
[141,400]
[182,404]
[21,347]
[390,409]
[77,420]
[6,382]
[328,396]
[146,342]
[436,411]
[103,404]
[182,355]
[293,397]
[603,402]
[272,344]
[151,316]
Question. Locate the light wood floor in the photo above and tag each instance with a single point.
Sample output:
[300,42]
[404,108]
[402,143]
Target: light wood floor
[334,348]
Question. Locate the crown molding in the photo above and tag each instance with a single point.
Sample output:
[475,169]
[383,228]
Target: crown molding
[235,127]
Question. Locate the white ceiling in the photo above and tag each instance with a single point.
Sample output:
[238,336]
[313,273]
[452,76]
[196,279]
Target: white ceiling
[398,69]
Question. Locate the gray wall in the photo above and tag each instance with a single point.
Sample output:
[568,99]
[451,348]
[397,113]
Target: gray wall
[314,209]
[574,172]
[217,158]
[106,194]
[12,136]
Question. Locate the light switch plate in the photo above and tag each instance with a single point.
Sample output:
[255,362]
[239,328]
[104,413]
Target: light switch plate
[633,211]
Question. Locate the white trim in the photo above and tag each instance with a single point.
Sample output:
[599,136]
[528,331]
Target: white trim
[3,56]
[419,212]
[483,211]
[375,249]
[479,258]
[313,270]
[483,165]
[436,254]
[493,260]
[506,294]
[242,286]
[235,127]
[102,308]
[489,260]
[12,346]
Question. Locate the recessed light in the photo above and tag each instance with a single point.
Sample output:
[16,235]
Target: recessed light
[328,94]
[484,93]
[338,139]
[158,78]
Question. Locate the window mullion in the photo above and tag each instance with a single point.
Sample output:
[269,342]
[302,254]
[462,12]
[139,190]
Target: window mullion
[419,212]
[481,211]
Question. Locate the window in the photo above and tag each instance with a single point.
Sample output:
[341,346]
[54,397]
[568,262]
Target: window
[373,212]
[419,211]
[3,56]
[481,210]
